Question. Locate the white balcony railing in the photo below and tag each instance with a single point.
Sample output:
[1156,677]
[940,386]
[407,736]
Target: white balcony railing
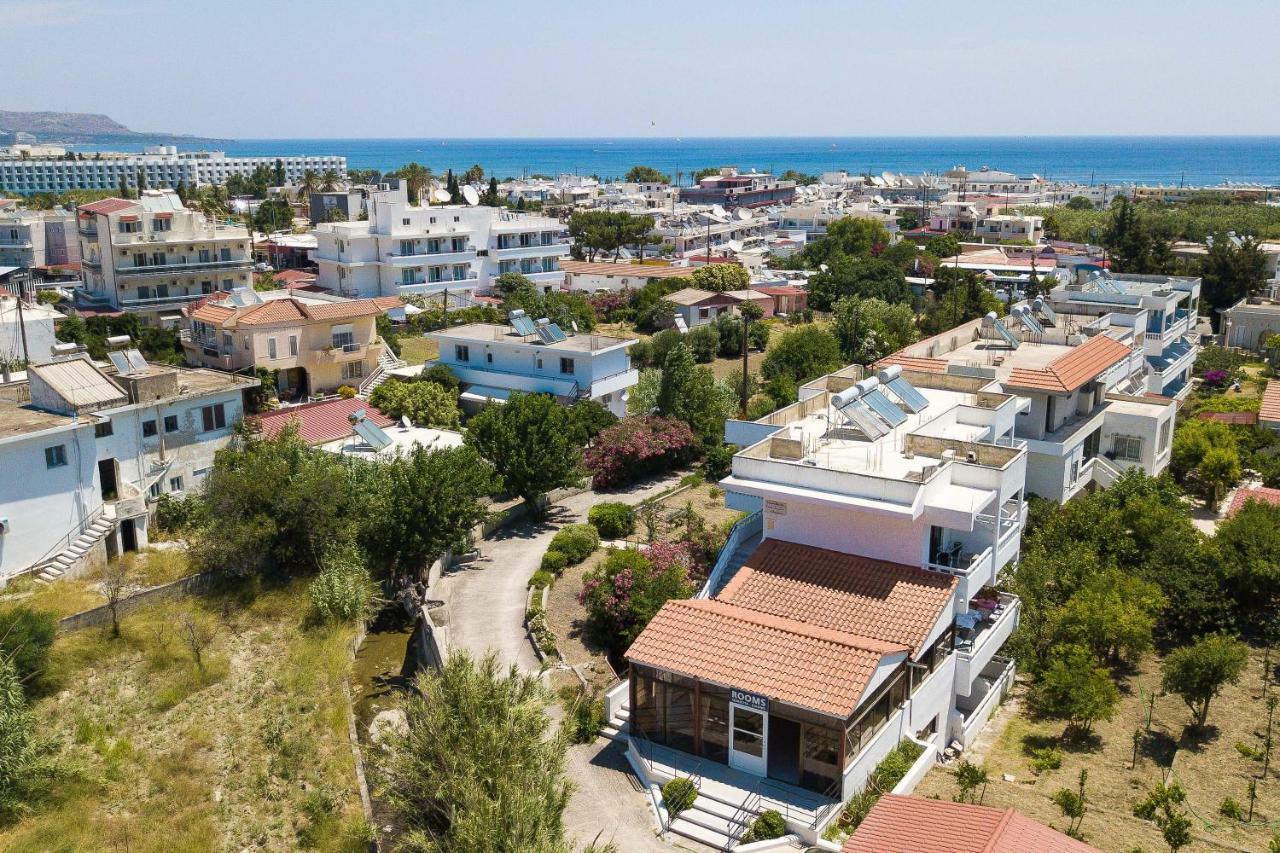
[977,645]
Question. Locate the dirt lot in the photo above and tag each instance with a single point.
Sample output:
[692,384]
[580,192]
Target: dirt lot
[417,350]
[1208,766]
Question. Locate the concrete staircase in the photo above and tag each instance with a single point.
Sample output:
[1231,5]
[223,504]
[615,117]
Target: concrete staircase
[736,560]
[714,820]
[57,566]
[616,728]
[386,363]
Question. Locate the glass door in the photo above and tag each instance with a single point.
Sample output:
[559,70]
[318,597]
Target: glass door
[750,730]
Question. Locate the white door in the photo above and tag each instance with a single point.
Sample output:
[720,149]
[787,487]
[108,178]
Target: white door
[748,735]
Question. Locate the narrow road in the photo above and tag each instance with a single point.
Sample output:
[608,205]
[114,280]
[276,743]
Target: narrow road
[484,601]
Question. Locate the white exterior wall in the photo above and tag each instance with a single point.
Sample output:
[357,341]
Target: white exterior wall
[38,322]
[883,537]
[43,505]
[49,174]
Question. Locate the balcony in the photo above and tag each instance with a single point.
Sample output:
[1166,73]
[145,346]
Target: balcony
[558,249]
[980,634]
[151,270]
[158,302]
[345,352]
[974,570]
[991,685]
[619,381]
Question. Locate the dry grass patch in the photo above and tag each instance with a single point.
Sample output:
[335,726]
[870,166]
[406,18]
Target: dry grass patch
[247,751]
[418,350]
[1207,764]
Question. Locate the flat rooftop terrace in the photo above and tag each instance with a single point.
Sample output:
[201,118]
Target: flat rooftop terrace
[21,419]
[486,332]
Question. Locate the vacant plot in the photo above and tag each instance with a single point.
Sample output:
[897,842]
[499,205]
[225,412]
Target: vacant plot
[1208,765]
[418,350]
[246,750]
[75,595]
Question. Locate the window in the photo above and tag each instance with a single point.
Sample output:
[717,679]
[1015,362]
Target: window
[342,336]
[56,456]
[213,417]
[461,352]
[155,489]
[148,429]
[1164,435]
[566,365]
[175,484]
[488,357]
[1126,447]
[293,345]
[353,370]
[271,347]
[404,221]
[170,423]
[102,430]
[201,473]
[704,313]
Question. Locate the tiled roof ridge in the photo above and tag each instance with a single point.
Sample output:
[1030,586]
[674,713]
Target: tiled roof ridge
[997,834]
[792,626]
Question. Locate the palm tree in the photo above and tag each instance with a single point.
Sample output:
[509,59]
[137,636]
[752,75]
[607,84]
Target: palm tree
[329,181]
[310,183]
[416,178]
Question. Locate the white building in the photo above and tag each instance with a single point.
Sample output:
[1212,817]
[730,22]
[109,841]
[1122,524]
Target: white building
[30,336]
[404,248]
[152,255]
[161,166]
[855,608]
[84,448]
[36,238]
[492,361]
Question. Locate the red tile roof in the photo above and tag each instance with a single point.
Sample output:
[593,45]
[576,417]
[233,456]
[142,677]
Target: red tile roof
[788,661]
[891,602]
[319,423]
[214,315]
[295,276]
[1260,494]
[291,310]
[108,205]
[913,362]
[898,824]
[1241,418]
[271,311]
[1270,410]
[1072,370]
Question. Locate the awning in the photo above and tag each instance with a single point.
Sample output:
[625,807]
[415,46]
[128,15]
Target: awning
[486,393]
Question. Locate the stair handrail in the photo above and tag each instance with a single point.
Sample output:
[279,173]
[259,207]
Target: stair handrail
[65,541]
[745,528]
[750,805]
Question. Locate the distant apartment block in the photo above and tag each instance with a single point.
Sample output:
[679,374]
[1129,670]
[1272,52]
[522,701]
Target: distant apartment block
[983,218]
[492,361]
[161,166]
[406,249]
[85,447]
[151,256]
[731,189]
[317,344]
[857,606]
[36,238]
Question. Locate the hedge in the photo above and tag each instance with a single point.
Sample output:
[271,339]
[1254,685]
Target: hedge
[612,520]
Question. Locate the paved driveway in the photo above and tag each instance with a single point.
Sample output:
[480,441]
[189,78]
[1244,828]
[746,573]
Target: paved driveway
[484,601]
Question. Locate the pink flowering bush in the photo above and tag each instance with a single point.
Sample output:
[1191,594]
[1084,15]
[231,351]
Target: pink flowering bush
[624,592]
[637,447]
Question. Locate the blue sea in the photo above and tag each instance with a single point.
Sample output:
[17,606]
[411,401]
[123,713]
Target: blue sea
[1196,160]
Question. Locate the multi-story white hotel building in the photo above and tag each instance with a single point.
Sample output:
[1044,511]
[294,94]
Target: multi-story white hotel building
[36,238]
[152,255]
[161,166]
[857,606]
[404,249]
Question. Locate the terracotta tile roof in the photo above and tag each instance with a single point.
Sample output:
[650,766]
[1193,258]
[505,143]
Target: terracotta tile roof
[1073,370]
[789,661]
[1242,418]
[108,205]
[1270,410]
[272,311]
[214,315]
[891,602]
[1260,494]
[354,308]
[295,276]
[913,362]
[637,270]
[318,423]
[898,824]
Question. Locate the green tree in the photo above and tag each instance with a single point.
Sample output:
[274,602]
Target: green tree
[474,175]
[690,393]
[425,404]
[277,173]
[479,768]
[646,175]
[1113,614]
[1218,470]
[964,298]
[1076,689]
[1247,553]
[943,246]
[272,215]
[417,180]
[532,444]
[721,277]
[971,778]
[1079,202]
[308,184]
[1198,672]
[865,278]
[329,180]
[870,329]
[1230,272]
[624,592]
[491,195]
[856,237]
[804,353]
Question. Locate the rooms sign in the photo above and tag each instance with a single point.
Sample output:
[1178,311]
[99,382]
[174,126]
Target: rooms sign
[754,701]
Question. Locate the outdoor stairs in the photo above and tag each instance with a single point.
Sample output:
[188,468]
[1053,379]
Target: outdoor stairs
[736,561]
[386,363]
[714,819]
[616,728]
[54,568]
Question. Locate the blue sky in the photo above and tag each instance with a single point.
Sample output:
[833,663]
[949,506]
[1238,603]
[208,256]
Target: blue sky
[386,68]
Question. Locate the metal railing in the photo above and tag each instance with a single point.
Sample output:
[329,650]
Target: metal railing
[143,270]
[65,542]
[746,528]
[738,822]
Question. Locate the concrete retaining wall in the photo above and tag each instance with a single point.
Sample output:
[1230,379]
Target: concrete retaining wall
[191,585]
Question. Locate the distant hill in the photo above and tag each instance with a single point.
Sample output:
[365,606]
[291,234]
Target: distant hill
[85,128]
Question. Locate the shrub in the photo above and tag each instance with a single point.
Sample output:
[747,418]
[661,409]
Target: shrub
[612,520]
[346,392]
[344,590]
[719,461]
[424,403]
[678,795]
[1045,758]
[176,516]
[442,376]
[586,716]
[624,592]
[704,343]
[637,447]
[26,636]
[536,619]
[769,825]
[541,579]
[553,562]
[1230,808]
[888,773]
[576,542]
[692,480]
[28,769]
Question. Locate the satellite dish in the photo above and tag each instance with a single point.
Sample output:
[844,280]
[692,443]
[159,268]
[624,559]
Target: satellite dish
[442,196]
[743,214]
[718,211]
[470,196]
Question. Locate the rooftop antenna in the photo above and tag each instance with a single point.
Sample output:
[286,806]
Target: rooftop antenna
[470,196]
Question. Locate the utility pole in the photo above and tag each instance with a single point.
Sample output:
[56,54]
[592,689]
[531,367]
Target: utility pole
[22,325]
